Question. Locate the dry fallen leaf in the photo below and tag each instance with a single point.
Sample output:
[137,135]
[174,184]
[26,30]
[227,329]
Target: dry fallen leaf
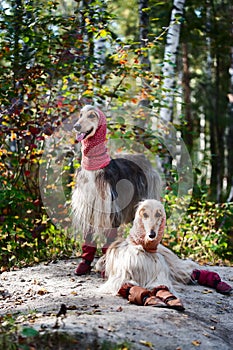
[72,307]
[42,291]
[207,291]
[146,343]
[35,281]
[206,335]
[74,293]
[3,268]
[196,342]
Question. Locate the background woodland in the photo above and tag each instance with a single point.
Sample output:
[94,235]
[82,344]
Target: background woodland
[171,58]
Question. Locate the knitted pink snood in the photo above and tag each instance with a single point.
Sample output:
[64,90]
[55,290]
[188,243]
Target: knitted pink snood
[94,152]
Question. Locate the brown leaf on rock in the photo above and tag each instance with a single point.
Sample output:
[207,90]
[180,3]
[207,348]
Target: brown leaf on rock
[207,291]
[146,343]
[196,342]
[42,291]
[74,293]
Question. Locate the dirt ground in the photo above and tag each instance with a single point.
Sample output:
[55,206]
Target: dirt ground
[35,295]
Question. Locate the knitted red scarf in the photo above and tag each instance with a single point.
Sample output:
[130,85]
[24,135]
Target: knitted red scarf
[94,152]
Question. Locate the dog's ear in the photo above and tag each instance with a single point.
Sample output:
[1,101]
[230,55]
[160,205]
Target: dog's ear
[143,213]
[137,208]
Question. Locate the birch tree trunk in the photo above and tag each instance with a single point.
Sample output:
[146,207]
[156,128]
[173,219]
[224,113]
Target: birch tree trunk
[170,57]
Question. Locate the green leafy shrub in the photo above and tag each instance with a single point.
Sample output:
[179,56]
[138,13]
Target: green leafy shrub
[22,247]
[204,232]
[26,238]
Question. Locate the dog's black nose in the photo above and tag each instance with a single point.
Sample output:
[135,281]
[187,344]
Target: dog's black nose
[77,127]
[152,234]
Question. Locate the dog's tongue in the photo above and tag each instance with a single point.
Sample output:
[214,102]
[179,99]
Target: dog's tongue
[80,137]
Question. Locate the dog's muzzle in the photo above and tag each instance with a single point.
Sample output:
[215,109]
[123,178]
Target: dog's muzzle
[152,234]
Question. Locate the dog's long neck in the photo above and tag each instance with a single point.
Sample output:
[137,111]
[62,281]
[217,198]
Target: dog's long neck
[94,151]
[137,236]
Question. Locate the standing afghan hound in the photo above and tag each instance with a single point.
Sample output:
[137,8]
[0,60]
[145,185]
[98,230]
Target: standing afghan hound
[107,190]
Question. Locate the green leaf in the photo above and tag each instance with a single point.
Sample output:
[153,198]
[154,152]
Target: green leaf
[120,120]
[29,332]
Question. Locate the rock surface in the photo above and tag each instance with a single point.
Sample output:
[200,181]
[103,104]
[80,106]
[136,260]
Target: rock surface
[36,293]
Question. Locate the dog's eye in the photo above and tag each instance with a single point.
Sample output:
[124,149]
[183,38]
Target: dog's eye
[145,215]
[158,214]
[92,115]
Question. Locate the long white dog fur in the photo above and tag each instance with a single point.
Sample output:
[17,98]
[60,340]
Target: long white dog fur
[132,260]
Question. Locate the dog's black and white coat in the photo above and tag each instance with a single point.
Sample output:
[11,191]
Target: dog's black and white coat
[108,190]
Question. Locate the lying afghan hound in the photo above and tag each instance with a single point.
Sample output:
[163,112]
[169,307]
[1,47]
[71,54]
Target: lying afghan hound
[107,190]
[145,272]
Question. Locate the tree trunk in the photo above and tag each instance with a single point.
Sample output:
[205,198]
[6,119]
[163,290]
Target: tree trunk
[16,67]
[230,139]
[144,22]
[170,58]
[169,81]
[230,128]
[217,140]
[189,128]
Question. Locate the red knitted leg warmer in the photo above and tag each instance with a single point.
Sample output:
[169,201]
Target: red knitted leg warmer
[211,279]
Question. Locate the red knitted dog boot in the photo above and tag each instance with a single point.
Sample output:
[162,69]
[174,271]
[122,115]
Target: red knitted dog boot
[83,268]
[224,288]
[104,249]
[88,255]
[211,279]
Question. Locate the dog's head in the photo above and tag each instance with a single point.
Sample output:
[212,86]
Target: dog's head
[87,123]
[149,223]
